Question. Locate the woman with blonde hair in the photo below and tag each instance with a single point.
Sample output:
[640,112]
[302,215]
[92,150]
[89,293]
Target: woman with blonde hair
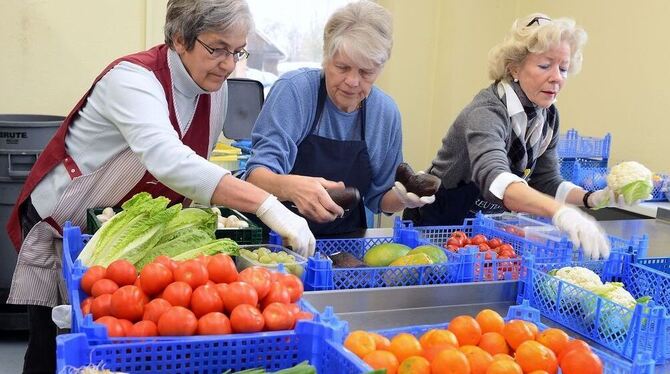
[323,129]
[500,153]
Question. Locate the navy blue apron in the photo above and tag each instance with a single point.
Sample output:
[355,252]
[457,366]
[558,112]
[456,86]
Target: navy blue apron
[336,160]
[453,205]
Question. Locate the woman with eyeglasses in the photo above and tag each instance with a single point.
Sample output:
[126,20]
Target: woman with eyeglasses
[500,152]
[148,123]
[323,129]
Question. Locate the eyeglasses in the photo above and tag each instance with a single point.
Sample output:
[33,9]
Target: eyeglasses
[222,52]
[537,20]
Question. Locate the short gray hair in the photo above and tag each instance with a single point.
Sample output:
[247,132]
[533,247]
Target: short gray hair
[190,18]
[363,30]
[536,33]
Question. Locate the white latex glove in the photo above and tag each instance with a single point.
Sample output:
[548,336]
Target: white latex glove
[293,228]
[61,315]
[410,199]
[584,231]
[607,198]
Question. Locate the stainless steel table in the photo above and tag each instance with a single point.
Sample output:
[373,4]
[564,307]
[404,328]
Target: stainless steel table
[658,232]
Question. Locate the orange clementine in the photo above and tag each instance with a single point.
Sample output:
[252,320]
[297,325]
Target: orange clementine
[504,367]
[381,342]
[533,328]
[432,351]
[531,355]
[539,372]
[360,342]
[490,321]
[478,358]
[554,339]
[573,344]
[450,361]
[405,345]
[581,361]
[493,343]
[517,332]
[438,336]
[382,360]
[466,329]
[414,365]
[502,356]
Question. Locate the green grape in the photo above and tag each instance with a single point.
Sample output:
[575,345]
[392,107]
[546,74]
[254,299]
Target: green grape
[265,259]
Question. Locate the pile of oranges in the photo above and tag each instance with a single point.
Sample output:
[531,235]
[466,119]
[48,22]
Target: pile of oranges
[485,344]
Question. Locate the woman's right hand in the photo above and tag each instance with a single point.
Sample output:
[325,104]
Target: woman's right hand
[309,195]
[584,231]
[292,228]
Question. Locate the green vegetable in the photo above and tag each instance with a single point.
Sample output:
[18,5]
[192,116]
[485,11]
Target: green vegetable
[634,191]
[302,368]
[178,245]
[187,221]
[226,245]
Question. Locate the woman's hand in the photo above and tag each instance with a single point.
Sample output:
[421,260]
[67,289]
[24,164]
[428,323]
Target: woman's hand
[309,195]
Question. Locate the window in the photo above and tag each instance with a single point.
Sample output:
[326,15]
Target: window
[288,36]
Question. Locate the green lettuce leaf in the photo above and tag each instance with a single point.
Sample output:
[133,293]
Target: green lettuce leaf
[187,221]
[179,244]
[637,190]
[227,246]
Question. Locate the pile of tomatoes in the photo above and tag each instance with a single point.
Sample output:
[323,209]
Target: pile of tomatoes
[203,296]
[458,240]
[485,344]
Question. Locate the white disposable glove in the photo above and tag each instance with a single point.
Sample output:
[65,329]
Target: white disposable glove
[292,228]
[410,199]
[61,315]
[584,231]
[607,198]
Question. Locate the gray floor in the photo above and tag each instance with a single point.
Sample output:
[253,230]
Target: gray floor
[12,348]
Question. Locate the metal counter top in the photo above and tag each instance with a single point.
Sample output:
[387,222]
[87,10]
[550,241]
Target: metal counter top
[658,232]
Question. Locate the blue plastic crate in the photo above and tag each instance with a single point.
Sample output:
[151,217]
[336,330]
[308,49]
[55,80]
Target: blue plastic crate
[311,341]
[73,271]
[661,183]
[573,145]
[611,363]
[624,331]
[657,263]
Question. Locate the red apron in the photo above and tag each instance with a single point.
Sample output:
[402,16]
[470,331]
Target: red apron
[196,137]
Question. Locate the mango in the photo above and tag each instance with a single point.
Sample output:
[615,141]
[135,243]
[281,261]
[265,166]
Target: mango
[436,254]
[384,254]
[412,259]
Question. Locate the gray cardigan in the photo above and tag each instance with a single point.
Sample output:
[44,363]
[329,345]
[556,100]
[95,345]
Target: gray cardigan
[476,148]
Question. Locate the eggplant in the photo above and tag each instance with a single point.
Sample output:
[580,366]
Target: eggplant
[422,184]
[347,198]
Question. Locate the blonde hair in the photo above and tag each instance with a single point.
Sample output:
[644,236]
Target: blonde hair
[362,30]
[536,33]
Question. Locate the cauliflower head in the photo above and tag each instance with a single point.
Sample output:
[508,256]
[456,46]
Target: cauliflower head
[579,276]
[632,180]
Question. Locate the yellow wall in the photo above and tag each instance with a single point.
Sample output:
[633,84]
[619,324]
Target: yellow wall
[53,49]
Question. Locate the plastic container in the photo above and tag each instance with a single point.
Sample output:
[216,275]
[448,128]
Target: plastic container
[247,235]
[312,341]
[622,330]
[661,190]
[661,264]
[611,363]
[297,268]
[573,145]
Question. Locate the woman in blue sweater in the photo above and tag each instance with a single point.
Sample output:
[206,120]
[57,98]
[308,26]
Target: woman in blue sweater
[323,129]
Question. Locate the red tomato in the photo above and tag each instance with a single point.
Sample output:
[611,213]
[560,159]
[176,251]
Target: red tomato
[205,299]
[221,268]
[293,308]
[93,274]
[103,286]
[178,294]
[457,241]
[506,250]
[127,325]
[294,286]
[177,321]
[451,248]
[192,272]
[277,316]
[128,303]
[167,262]
[122,272]
[304,315]
[203,259]
[143,328]
[458,234]
[222,290]
[86,305]
[483,247]
[214,323]
[155,309]
[101,306]
[155,277]
[259,277]
[478,239]
[278,294]
[246,318]
[239,293]
[494,243]
[114,327]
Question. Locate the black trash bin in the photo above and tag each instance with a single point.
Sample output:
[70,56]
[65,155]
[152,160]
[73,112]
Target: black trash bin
[22,138]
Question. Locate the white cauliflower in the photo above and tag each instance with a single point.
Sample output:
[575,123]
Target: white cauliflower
[632,180]
[579,276]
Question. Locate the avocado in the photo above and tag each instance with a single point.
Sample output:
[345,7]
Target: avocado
[436,254]
[346,260]
[347,198]
[421,184]
[384,254]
